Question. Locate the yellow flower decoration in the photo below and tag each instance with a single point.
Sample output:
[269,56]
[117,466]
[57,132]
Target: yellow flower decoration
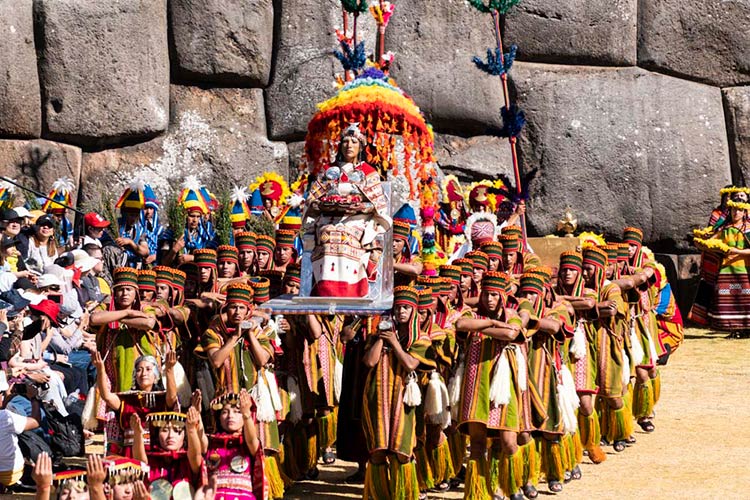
[735,189]
[711,245]
[706,232]
[739,205]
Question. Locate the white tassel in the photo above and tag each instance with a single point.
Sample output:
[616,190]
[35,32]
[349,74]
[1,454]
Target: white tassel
[500,385]
[625,368]
[568,400]
[184,391]
[295,401]
[454,388]
[412,394]
[436,402]
[338,375]
[651,347]
[445,420]
[523,373]
[88,416]
[433,405]
[636,348]
[264,399]
[578,345]
[273,388]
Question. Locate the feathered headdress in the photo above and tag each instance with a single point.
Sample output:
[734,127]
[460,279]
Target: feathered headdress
[272,187]
[62,190]
[589,239]
[240,209]
[6,190]
[133,197]
[481,226]
[150,197]
[452,190]
[505,190]
[191,197]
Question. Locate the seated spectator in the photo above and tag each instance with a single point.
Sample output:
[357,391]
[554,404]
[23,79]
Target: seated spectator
[42,246]
[11,426]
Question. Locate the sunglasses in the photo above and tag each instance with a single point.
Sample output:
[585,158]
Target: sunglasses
[54,288]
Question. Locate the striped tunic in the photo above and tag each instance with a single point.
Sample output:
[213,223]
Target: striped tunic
[545,363]
[609,343]
[389,424]
[482,355]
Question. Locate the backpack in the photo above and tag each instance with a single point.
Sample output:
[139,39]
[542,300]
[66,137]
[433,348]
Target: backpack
[66,433]
[32,444]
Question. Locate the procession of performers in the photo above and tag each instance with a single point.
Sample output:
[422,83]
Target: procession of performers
[490,373]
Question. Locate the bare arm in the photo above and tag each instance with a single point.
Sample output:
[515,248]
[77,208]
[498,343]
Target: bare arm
[142,249]
[316,329]
[171,384]
[580,303]
[372,354]
[139,448]
[551,326]
[194,443]
[249,430]
[412,270]
[629,282]
[607,309]
[220,355]
[99,318]
[102,383]
[409,362]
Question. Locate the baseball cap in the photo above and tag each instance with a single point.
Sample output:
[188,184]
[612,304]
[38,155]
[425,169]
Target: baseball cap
[8,241]
[46,280]
[22,211]
[11,214]
[46,220]
[83,260]
[93,219]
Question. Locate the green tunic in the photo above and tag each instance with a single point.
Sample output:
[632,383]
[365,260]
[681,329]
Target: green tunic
[389,424]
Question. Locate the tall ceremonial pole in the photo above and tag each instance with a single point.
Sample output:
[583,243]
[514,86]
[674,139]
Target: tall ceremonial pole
[498,64]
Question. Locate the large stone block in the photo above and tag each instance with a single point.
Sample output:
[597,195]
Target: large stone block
[228,41]
[304,67]
[581,32]
[218,135]
[473,158]
[737,108]
[434,43]
[622,147]
[707,41]
[20,111]
[37,164]
[105,69]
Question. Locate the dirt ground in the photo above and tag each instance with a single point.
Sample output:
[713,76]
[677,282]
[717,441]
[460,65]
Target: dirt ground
[701,446]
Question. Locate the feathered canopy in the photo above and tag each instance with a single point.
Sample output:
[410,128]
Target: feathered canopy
[400,140]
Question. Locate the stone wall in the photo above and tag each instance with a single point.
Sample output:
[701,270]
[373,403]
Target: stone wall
[638,110]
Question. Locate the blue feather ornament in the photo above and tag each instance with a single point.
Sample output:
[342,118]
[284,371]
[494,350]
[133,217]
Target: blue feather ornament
[514,120]
[351,59]
[495,65]
[502,6]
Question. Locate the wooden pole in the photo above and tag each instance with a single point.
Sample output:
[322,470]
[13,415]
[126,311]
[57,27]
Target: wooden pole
[506,98]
